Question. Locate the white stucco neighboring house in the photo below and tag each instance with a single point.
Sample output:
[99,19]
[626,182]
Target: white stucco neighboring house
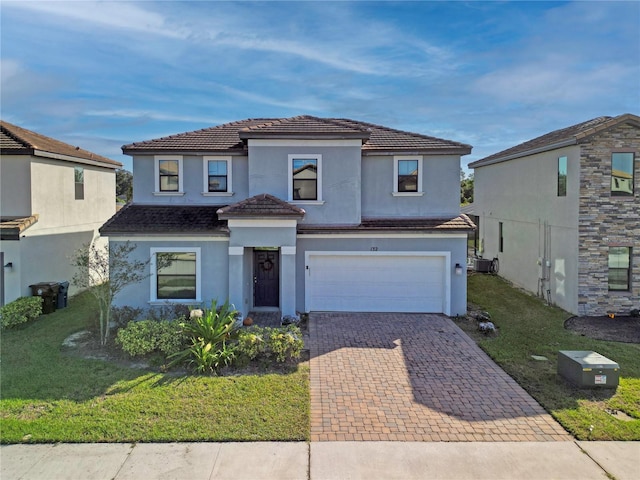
[53,198]
[561,212]
[298,214]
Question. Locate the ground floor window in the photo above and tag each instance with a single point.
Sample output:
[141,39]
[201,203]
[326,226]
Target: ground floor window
[619,268]
[175,274]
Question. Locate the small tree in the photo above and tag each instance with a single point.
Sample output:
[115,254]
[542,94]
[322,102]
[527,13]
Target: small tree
[124,184]
[466,188]
[105,272]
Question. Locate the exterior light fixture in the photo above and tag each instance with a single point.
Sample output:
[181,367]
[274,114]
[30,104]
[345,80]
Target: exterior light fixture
[9,266]
[458,269]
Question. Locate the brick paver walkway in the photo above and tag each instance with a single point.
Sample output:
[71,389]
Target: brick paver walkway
[413,377]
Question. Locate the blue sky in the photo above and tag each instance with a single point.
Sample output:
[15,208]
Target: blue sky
[491,74]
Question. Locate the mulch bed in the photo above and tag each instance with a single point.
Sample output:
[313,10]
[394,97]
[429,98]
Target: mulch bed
[617,329]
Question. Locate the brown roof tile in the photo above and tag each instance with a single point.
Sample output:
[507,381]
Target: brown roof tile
[263,205]
[305,126]
[229,137]
[20,141]
[11,227]
[461,223]
[165,219]
[562,137]
[221,138]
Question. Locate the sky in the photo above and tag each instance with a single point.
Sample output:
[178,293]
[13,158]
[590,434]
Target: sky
[490,74]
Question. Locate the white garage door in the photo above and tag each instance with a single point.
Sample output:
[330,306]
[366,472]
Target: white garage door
[394,282]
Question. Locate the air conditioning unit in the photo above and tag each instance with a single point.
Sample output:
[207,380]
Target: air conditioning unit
[482,265]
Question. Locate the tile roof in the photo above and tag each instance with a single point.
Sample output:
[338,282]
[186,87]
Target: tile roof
[263,205]
[461,223]
[558,138]
[305,126]
[165,219]
[12,227]
[20,141]
[229,137]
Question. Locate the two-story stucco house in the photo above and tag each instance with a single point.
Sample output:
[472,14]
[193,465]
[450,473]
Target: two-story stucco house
[298,214]
[561,212]
[53,199]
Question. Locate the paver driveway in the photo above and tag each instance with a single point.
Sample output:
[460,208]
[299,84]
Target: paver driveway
[413,377]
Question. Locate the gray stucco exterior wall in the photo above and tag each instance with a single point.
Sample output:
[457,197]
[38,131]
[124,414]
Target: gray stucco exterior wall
[438,200]
[193,184]
[540,231]
[340,170]
[214,267]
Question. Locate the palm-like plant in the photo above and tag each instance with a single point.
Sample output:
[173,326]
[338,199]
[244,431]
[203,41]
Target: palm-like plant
[210,334]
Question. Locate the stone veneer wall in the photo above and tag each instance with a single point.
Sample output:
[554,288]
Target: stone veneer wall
[607,221]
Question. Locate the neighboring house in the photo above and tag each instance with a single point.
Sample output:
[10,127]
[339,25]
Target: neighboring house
[298,214]
[53,199]
[561,212]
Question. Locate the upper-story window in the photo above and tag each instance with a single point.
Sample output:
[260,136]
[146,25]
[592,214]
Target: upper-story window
[619,271]
[217,176]
[562,176]
[622,174]
[78,175]
[168,173]
[407,175]
[305,178]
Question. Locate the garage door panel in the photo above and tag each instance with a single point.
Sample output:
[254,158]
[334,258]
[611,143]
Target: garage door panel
[398,283]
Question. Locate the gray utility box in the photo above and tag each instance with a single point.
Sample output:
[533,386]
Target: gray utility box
[588,369]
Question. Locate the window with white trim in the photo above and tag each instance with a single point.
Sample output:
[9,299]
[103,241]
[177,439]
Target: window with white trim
[407,175]
[175,274]
[168,175]
[217,176]
[305,178]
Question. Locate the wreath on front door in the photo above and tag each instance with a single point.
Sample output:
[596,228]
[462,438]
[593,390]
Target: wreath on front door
[267,265]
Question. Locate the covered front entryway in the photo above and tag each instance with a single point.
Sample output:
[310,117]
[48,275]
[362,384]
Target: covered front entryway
[377,282]
[266,277]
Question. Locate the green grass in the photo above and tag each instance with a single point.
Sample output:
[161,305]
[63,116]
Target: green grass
[50,396]
[528,327]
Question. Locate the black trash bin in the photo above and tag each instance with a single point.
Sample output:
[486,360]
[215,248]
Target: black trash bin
[62,294]
[49,293]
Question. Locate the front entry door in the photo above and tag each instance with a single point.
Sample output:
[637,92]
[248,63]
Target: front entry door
[266,278]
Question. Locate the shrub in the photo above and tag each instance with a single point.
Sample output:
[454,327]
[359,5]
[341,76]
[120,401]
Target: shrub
[173,311]
[278,343]
[150,336]
[209,335]
[121,316]
[21,310]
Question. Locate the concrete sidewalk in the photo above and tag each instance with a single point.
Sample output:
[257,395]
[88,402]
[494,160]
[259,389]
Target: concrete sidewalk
[323,461]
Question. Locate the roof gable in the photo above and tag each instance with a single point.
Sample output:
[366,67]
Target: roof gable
[558,138]
[16,140]
[231,137]
[263,205]
[304,126]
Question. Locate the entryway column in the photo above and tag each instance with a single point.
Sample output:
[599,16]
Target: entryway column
[236,276]
[288,280]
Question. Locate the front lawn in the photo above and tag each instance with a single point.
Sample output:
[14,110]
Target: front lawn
[526,327]
[48,395]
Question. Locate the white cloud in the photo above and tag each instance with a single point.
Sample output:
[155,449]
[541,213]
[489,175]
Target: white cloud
[149,115]
[118,15]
